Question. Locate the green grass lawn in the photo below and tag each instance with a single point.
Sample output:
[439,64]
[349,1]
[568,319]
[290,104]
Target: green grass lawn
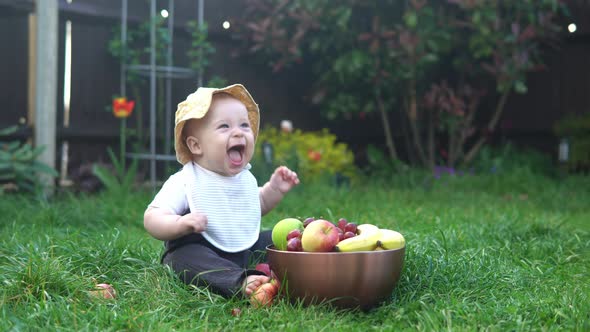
[502,253]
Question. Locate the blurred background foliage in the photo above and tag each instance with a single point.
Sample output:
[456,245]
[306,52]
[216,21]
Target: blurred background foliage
[19,167]
[426,64]
[313,155]
[575,129]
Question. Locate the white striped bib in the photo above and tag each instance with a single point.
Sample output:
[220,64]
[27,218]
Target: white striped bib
[231,204]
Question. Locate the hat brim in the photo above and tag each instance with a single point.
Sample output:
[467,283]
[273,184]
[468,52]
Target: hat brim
[197,105]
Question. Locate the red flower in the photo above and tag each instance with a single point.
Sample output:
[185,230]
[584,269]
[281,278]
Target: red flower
[122,108]
[314,155]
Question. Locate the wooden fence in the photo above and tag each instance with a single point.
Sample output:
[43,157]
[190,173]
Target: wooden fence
[563,88]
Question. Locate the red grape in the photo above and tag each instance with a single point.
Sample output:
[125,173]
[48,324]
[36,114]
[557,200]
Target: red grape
[350,227]
[294,244]
[307,221]
[342,223]
[294,233]
[348,235]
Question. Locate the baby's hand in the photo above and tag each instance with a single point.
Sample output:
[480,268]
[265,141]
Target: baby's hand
[283,179]
[195,222]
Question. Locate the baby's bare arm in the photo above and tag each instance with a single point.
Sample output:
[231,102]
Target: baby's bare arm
[282,180]
[164,225]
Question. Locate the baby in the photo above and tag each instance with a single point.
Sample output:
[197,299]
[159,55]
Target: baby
[209,212]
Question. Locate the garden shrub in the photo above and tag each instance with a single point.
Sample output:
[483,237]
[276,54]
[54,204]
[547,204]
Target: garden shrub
[19,167]
[510,159]
[312,155]
[576,129]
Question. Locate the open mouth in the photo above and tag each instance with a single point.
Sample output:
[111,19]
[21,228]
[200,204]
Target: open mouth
[236,154]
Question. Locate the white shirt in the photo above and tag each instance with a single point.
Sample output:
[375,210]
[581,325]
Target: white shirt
[231,204]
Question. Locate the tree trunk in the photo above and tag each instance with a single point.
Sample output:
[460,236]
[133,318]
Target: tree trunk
[413,117]
[461,135]
[491,126]
[452,154]
[412,158]
[386,127]
[431,143]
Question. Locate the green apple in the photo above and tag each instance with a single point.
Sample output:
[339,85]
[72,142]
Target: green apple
[281,229]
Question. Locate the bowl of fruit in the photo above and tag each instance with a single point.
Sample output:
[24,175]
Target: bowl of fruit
[344,264]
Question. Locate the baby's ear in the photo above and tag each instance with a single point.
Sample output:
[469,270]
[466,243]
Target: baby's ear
[193,145]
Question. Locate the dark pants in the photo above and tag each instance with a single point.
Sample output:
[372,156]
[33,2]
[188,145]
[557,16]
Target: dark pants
[198,262]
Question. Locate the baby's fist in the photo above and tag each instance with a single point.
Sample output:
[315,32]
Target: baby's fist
[195,222]
[283,179]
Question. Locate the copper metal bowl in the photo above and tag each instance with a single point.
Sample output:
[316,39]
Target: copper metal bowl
[352,279]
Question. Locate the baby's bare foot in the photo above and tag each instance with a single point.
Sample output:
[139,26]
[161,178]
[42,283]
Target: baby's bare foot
[251,283]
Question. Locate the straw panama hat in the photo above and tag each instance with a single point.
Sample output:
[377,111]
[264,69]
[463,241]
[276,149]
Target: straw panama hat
[196,106]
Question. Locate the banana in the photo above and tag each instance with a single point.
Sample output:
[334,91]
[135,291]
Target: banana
[391,239]
[366,240]
[366,228]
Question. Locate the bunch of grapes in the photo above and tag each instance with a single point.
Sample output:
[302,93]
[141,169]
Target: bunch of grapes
[294,240]
[294,237]
[346,229]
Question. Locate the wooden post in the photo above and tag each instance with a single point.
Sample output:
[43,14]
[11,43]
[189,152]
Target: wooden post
[32,67]
[46,83]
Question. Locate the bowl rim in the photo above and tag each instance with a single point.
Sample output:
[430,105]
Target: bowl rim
[270,247]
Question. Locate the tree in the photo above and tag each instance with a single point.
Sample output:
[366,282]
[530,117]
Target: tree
[430,61]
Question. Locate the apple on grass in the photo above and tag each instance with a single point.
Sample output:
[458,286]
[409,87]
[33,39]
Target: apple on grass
[320,236]
[104,291]
[264,295]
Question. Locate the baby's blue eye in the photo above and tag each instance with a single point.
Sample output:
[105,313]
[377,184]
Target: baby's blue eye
[223,126]
[246,125]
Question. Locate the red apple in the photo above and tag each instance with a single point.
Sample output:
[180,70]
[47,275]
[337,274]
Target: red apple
[264,295]
[320,236]
[104,291]
[275,282]
[263,267]
[236,312]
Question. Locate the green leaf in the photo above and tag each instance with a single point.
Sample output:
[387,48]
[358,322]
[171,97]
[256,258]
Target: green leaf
[5,155]
[106,177]
[26,186]
[116,162]
[7,176]
[430,58]
[43,168]
[520,87]
[411,19]
[11,146]
[8,131]
[344,18]
[130,175]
